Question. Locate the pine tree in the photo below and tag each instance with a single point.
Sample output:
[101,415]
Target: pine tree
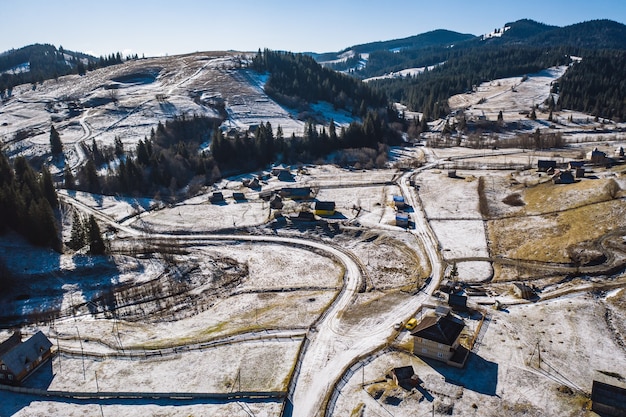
[68,178]
[47,186]
[78,237]
[56,147]
[96,243]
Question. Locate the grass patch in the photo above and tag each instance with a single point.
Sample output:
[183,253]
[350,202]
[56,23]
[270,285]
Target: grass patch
[547,237]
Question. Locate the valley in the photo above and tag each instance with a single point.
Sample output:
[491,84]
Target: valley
[227,302]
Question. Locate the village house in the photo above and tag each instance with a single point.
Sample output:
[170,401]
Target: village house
[438,337]
[18,360]
[239,196]
[324,208]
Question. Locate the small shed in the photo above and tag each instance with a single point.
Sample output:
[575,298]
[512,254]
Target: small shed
[398,201]
[576,164]
[239,196]
[324,208]
[402,219]
[522,290]
[251,183]
[216,197]
[580,173]
[545,165]
[405,377]
[597,157]
[452,173]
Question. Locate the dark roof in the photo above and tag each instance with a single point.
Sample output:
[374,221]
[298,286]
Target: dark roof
[324,205]
[546,163]
[457,300]
[26,352]
[443,330]
[404,372]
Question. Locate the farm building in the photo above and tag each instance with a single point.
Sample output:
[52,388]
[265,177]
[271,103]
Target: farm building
[324,208]
[437,337]
[608,394]
[545,165]
[18,360]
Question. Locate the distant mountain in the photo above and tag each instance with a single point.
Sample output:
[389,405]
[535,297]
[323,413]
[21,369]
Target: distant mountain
[594,34]
[434,39]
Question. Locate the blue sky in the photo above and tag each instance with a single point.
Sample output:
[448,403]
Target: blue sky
[159,27]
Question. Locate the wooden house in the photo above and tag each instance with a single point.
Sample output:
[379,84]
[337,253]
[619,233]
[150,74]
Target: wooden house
[239,196]
[575,164]
[285,175]
[324,208]
[18,360]
[437,337]
[545,165]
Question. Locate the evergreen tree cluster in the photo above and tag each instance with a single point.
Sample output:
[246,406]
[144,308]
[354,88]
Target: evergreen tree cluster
[596,85]
[297,78]
[27,202]
[86,232]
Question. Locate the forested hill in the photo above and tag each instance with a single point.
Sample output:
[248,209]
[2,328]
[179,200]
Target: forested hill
[297,80]
[516,49]
[39,62]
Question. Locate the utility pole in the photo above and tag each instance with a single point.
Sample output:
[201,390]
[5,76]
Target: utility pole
[82,352]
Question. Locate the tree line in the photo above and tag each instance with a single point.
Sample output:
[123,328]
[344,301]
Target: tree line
[27,202]
[297,80]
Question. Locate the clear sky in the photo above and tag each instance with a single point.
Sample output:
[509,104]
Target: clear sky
[159,27]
